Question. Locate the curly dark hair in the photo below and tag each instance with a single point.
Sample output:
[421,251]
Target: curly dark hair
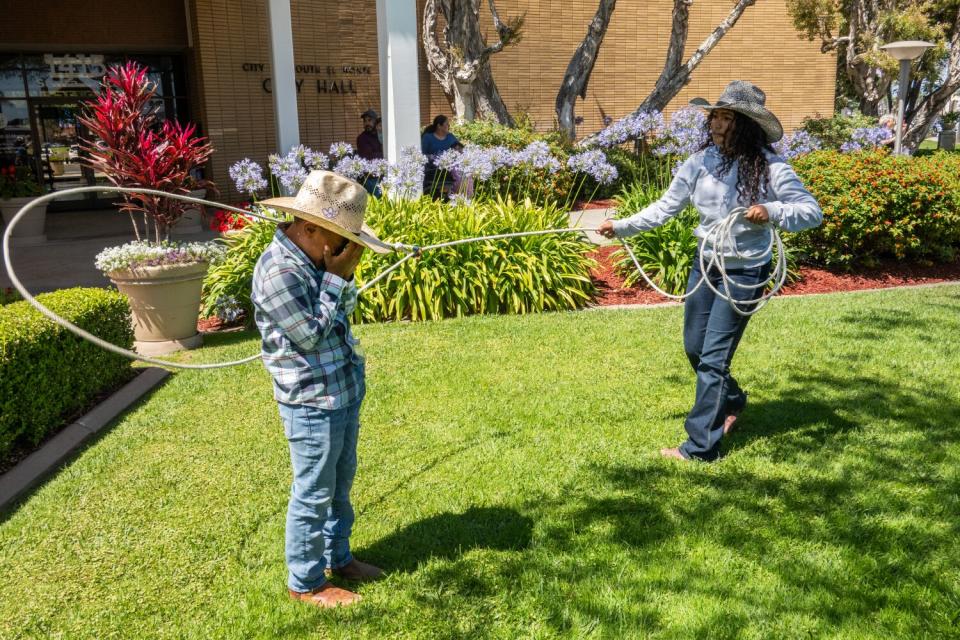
[747,148]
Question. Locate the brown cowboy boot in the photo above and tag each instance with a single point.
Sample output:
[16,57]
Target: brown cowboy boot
[326,596]
[356,571]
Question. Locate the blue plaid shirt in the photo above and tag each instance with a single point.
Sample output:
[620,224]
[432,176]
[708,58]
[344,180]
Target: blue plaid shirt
[303,316]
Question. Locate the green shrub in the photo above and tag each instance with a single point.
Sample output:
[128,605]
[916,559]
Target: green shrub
[231,277]
[520,275]
[666,253]
[878,206]
[47,373]
[836,130]
[520,183]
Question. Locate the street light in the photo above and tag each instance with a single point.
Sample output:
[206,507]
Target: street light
[905,51]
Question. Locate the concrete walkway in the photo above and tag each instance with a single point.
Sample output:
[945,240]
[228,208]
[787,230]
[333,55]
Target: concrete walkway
[73,240]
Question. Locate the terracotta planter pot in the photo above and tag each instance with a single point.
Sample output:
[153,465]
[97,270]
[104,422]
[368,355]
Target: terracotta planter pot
[30,228]
[165,304]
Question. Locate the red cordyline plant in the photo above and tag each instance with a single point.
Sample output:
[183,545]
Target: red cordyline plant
[133,150]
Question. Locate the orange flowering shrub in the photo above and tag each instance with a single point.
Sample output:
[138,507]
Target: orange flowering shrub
[878,206]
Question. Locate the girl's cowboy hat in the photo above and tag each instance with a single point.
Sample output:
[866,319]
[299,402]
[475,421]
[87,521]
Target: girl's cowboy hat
[746,98]
[333,202]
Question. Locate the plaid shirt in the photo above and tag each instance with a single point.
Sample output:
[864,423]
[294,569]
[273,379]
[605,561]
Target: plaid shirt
[303,316]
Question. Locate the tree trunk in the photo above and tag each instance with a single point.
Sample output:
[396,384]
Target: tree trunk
[577,77]
[462,63]
[676,73]
[933,103]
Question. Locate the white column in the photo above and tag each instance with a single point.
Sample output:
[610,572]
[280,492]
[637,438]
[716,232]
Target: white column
[283,82]
[399,75]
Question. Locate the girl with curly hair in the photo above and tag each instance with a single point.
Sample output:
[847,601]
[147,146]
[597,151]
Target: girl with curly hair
[736,167]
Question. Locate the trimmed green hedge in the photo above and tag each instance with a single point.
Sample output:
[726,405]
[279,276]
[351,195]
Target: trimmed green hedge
[46,372]
[881,207]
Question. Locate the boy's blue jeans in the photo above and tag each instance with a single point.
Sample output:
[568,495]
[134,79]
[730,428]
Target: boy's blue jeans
[323,452]
[711,333]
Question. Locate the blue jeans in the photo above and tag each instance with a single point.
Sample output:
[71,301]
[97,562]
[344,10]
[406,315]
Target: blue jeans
[323,452]
[711,333]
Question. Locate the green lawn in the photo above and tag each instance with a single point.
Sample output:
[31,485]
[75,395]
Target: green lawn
[510,484]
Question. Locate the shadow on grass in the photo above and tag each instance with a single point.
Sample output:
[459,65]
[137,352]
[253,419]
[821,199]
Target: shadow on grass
[448,536]
[835,503]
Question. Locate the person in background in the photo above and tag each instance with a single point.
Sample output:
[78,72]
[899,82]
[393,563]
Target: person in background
[369,145]
[435,140]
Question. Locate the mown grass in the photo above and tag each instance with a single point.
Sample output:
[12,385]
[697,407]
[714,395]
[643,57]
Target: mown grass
[510,484]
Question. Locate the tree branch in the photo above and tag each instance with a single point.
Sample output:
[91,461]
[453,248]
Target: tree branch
[578,73]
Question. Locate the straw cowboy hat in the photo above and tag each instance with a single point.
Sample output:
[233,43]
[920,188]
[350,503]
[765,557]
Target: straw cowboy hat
[333,202]
[746,98]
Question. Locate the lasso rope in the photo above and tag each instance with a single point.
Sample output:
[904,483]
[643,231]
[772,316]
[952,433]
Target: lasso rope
[718,237]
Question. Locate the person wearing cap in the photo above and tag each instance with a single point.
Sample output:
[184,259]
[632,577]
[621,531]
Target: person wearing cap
[303,294]
[369,146]
[736,167]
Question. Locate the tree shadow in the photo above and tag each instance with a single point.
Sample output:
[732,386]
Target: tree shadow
[447,536]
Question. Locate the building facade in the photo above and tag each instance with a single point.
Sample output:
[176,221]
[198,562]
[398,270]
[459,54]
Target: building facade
[210,60]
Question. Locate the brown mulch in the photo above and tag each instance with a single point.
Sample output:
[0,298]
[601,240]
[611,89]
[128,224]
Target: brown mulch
[212,325]
[610,292]
[594,204]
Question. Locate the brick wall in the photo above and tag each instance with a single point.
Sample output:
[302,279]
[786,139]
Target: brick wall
[100,26]
[238,114]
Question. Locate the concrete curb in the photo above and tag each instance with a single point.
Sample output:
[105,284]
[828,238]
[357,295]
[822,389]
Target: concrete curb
[35,467]
[654,305]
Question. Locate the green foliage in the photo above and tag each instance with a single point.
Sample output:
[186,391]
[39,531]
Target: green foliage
[836,130]
[665,253]
[520,183]
[877,206]
[519,275]
[8,295]
[509,482]
[18,182]
[232,276]
[487,133]
[46,372]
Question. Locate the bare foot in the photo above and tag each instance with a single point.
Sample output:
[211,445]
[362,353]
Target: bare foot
[356,571]
[326,596]
[672,453]
[728,424]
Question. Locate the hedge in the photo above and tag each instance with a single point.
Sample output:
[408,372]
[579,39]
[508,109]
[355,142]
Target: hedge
[47,374]
[880,207]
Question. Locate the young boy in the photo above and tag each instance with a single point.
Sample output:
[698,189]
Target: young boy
[303,295]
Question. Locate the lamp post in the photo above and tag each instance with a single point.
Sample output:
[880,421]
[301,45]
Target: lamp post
[906,51]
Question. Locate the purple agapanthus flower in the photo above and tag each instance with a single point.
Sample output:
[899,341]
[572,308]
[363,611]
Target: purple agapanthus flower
[288,170]
[352,167]
[630,127]
[315,160]
[340,149]
[404,178]
[797,143]
[248,176]
[685,134]
[866,138]
[593,163]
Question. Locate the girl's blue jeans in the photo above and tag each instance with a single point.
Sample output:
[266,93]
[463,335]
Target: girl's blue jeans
[711,333]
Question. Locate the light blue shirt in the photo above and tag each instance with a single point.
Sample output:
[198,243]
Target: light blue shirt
[790,206]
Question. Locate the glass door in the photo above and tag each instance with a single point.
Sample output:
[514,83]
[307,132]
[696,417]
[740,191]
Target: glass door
[57,153]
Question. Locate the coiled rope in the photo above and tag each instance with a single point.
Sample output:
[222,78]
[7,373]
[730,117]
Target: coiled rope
[718,237]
